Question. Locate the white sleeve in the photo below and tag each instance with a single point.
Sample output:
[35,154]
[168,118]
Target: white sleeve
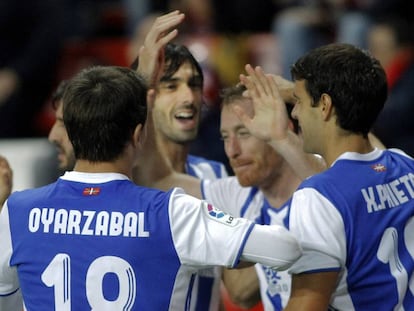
[319,227]
[10,295]
[203,235]
[227,195]
[272,246]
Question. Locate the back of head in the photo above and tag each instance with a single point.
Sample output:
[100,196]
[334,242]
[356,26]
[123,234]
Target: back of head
[102,107]
[353,79]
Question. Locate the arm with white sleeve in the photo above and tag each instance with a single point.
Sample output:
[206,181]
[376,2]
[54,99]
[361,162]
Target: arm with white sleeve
[271,245]
[206,236]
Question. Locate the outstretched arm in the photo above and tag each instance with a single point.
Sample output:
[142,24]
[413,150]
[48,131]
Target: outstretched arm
[270,121]
[152,168]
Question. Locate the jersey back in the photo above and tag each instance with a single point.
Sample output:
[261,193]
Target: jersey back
[108,245]
[364,214]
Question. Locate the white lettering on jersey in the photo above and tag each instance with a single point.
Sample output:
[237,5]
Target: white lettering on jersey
[389,195]
[77,222]
[89,217]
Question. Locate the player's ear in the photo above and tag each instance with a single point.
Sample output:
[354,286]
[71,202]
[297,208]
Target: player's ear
[137,136]
[326,106]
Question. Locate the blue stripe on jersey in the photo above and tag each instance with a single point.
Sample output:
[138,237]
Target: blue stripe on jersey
[205,285]
[242,245]
[193,160]
[276,284]
[9,294]
[276,300]
[375,199]
[249,199]
[190,289]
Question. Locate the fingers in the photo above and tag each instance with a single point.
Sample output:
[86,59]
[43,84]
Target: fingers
[246,120]
[151,53]
[259,84]
[249,82]
[162,31]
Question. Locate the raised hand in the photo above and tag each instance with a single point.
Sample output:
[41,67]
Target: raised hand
[270,121]
[151,56]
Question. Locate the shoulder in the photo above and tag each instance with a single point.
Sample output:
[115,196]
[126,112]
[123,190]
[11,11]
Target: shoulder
[30,195]
[204,168]
[228,186]
[194,159]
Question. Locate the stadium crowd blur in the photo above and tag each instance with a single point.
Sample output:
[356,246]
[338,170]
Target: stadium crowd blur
[43,42]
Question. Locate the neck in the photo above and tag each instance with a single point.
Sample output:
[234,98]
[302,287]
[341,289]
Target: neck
[345,143]
[282,187]
[119,166]
[175,153]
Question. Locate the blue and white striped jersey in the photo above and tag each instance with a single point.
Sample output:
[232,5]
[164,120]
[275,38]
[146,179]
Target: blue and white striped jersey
[205,169]
[250,203]
[357,218]
[100,242]
[207,283]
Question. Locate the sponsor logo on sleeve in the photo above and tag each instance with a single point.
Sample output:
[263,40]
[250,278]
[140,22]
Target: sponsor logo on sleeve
[219,215]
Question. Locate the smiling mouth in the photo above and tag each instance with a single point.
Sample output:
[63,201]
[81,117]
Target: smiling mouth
[185,115]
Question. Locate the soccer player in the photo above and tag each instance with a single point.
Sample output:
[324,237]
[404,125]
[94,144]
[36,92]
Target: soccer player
[354,220]
[95,240]
[176,115]
[263,180]
[177,109]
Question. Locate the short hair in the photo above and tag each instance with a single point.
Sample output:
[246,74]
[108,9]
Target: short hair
[354,80]
[175,56]
[102,106]
[232,93]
